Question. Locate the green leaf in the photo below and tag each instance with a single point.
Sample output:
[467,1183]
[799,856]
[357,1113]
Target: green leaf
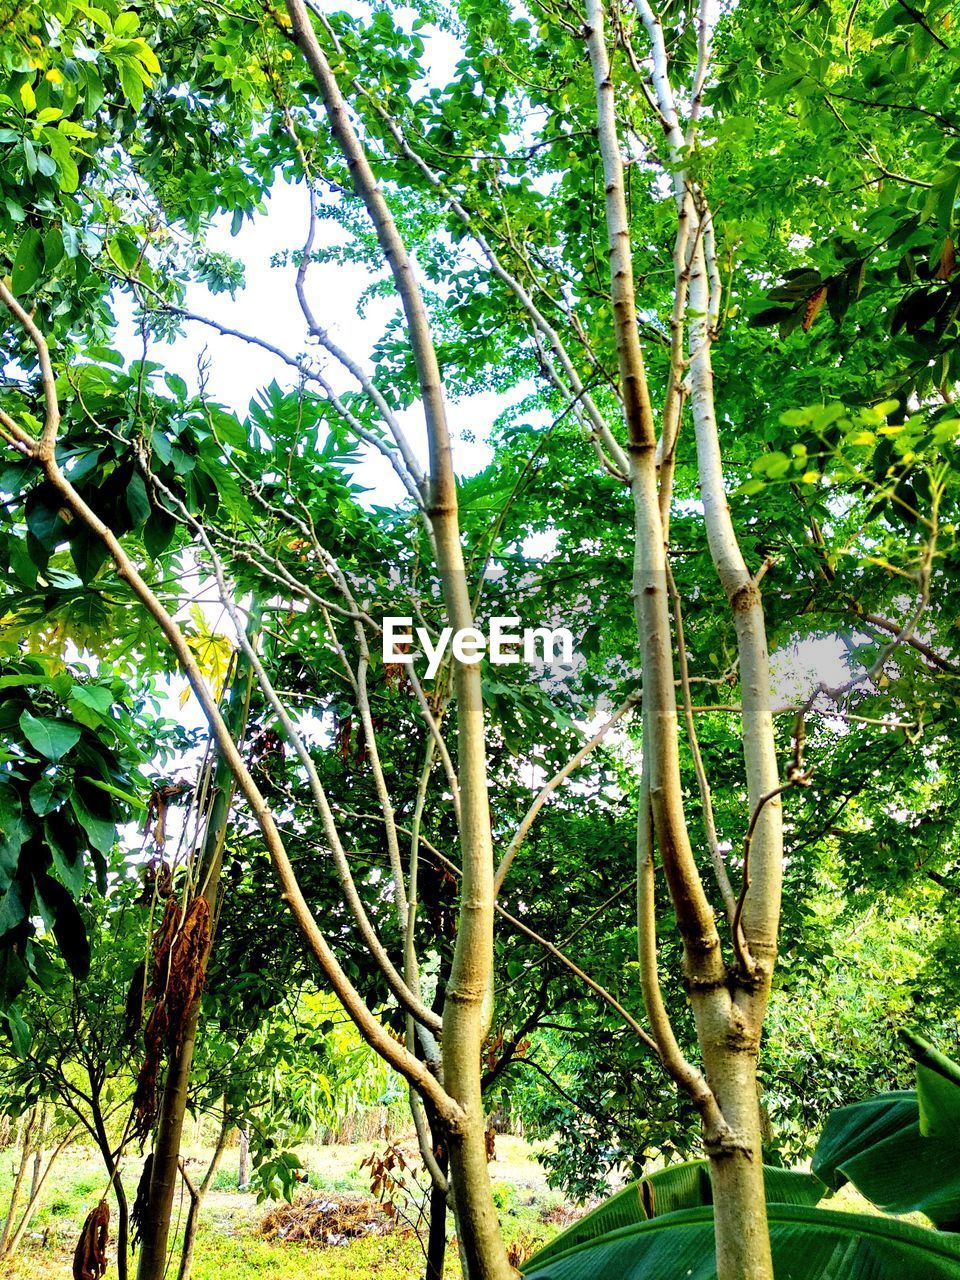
[89,554]
[14,833]
[52,248]
[45,796]
[680,1186]
[158,533]
[71,871]
[101,833]
[68,926]
[96,697]
[138,500]
[878,1146]
[52,738]
[28,264]
[13,910]
[43,517]
[19,1031]
[807,1244]
[938,1090]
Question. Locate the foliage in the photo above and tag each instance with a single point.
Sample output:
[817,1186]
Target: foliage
[872,1144]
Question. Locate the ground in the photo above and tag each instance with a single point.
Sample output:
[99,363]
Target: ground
[232,1244]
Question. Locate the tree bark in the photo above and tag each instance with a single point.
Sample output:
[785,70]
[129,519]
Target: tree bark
[437,1236]
[110,1159]
[35,1193]
[469,994]
[736,1172]
[243,1169]
[38,1154]
[728,1006]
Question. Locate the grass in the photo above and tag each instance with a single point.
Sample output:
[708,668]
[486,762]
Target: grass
[229,1245]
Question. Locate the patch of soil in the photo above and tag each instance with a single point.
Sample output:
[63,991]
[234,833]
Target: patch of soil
[327,1221]
[562,1215]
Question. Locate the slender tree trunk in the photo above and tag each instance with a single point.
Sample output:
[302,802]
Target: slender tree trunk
[35,1193]
[437,1237]
[173,1105]
[197,1195]
[26,1151]
[110,1159]
[243,1169]
[469,995]
[728,1006]
[38,1154]
[736,1173]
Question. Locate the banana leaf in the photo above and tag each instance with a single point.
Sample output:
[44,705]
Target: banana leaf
[680,1186]
[808,1244]
[938,1090]
[880,1146]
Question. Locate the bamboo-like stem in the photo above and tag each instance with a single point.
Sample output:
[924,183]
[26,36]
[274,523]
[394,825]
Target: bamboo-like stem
[469,989]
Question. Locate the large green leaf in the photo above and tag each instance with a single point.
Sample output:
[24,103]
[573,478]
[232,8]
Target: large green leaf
[808,1244]
[681,1186]
[938,1090]
[52,738]
[878,1146]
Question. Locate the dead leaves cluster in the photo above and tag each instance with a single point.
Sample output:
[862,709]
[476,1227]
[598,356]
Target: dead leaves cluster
[90,1255]
[181,947]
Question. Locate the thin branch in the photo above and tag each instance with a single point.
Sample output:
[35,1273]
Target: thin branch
[556,781]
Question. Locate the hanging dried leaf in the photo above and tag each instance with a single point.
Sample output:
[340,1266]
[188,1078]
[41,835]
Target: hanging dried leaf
[163,940]
[948,260]
[138,1215]
[146,1098]
[812,309]
[188,963]
[160,800]
[90,1255]
[490,1143]
[181,947]
[157,880]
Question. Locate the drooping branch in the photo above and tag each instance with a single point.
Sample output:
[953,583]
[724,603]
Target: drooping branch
[44,451]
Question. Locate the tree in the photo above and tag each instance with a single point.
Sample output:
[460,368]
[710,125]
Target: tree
[491,201]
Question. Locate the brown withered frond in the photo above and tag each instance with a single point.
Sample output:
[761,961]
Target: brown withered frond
[188,964]
[90,1255]
[138,1215]
[146,1099]
[181,949]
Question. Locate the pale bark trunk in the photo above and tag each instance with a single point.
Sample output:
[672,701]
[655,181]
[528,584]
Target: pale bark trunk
[243,1169]
[736,1174]
[469,993]
[38,1154]
[728,1008]
[29,1127]
[35,1193]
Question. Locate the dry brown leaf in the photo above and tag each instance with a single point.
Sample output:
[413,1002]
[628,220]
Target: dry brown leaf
[812,309]
[90,1255]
